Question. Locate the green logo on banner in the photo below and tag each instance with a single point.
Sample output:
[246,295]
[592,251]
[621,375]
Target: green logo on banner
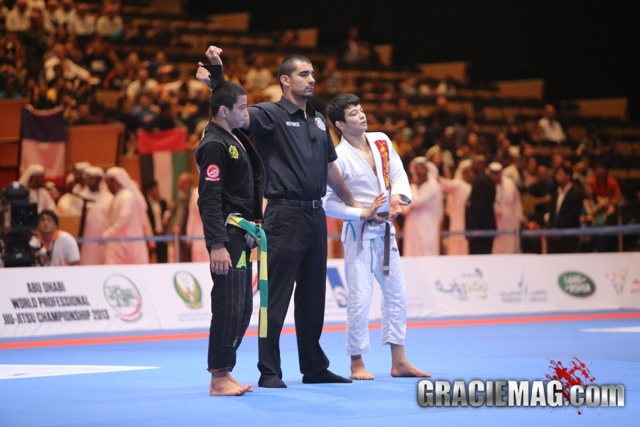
[576,284]
[188,289]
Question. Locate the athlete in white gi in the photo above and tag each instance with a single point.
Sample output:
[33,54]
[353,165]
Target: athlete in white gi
[374,173]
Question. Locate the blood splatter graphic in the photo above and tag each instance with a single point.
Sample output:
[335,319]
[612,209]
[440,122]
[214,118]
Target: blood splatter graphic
[576,373]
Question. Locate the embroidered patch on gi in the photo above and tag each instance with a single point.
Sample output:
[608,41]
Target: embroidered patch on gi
[233,152]
[213,173]
[320,124]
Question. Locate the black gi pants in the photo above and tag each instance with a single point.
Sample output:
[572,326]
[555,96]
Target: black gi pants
[231,305]
[297,240]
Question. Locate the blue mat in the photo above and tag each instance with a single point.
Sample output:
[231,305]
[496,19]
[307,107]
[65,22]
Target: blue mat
[175,391]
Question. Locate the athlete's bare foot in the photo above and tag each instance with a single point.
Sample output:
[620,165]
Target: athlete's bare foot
[400,366]
[406,369]
[235,381]
[222,385]
[358,371]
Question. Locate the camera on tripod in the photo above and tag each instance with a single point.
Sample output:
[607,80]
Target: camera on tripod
[19,221]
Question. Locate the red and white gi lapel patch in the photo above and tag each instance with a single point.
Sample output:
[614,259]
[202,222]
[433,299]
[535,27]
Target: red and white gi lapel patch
[213,173]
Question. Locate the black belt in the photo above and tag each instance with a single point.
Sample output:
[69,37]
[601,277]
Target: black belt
[307,204]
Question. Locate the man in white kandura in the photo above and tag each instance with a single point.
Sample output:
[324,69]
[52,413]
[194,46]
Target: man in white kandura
[374,174]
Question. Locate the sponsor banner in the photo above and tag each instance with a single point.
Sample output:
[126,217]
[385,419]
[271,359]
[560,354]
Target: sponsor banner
[578,282]
[43,301]
[626,281]
[40,301]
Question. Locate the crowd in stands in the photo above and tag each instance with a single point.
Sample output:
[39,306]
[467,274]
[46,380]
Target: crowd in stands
[63,53]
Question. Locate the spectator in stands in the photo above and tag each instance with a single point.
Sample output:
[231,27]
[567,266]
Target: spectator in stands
[71,71]
[145,112]
[127,218]
[566,205]
[99,58]
[508,212]
[167,117]
[457,192]
[606,186]
[18,19]
[549,128]
[355,51]
[33,179]
[594,144]
[333,76]
[258,76]
[95,220]
[154,64]
[117,78]
[423,218]
[82,24]
[582,171]
[11,88]
[517,172]
[541,190]
[179,214]
[505,153]
[34,39]
[65,14]
[59,248]
[158,214]
[71,202]
[594,214]
[109,23]
[142,84]
[479,213]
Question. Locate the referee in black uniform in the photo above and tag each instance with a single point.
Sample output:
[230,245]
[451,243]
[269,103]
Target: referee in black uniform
[297,150]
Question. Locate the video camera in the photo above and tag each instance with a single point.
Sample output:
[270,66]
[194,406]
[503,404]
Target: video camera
[18,223]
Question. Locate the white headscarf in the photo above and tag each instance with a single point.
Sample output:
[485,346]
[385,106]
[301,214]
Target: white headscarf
[125,181]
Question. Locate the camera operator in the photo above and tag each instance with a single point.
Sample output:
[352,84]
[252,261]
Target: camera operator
[58,246]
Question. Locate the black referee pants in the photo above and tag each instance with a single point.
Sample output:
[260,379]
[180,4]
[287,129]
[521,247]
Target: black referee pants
[297,240]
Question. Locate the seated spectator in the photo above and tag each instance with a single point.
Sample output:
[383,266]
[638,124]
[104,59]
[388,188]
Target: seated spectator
[258,76]
[70,70]
[606,187]
[110,23]
[144,83]
[59,248]
[19,17]
[550,130]
[82,24]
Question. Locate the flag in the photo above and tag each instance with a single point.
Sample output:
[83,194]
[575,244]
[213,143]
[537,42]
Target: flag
[163,157]
[43,142]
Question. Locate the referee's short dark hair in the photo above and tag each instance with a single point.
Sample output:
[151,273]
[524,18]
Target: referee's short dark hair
[51,214]
[226,93]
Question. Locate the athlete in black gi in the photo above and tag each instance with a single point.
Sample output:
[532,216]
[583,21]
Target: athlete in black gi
[231,182]
[295,144]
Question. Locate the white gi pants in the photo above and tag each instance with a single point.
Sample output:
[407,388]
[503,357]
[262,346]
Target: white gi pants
[363,263]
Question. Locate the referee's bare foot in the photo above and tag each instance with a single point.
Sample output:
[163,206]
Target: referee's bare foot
[221,385]
[406,369]
[358,371]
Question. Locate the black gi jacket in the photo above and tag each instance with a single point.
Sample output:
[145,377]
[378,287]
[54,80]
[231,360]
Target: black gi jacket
[231,181]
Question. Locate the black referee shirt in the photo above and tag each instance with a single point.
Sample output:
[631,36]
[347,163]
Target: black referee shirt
[295,151]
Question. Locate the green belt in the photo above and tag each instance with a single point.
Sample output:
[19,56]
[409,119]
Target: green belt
[257,233]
